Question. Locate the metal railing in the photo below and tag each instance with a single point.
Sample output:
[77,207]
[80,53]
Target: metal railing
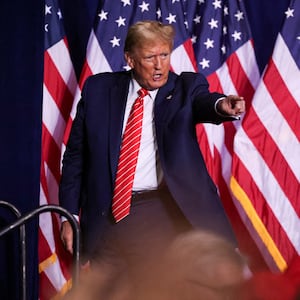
[20,222]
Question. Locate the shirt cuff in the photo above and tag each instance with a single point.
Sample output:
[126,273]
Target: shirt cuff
[63,218]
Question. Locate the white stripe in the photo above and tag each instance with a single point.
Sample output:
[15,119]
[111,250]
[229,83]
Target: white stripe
[247,59]
[95,56]
[61,58]
[287,67]
[52,117]
[277,127]
[269,187]
[180,61]
[45,222]
[55,275]
[225,80]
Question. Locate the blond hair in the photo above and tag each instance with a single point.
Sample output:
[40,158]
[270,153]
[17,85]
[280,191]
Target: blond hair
[144,31]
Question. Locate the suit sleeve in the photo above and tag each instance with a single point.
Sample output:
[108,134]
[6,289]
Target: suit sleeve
[70,188]
[204,100]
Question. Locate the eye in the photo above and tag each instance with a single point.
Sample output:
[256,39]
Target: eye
[149,58]
[164,55]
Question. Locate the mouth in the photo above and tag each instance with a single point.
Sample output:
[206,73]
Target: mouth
[157,77]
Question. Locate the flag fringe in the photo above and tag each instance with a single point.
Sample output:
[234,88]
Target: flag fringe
[257,223]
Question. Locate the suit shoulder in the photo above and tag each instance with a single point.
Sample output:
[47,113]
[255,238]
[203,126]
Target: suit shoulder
[106,77]
[192,76]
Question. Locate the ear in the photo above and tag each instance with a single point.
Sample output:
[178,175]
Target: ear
[129,59]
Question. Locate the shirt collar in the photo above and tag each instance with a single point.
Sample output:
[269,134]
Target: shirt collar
[136,87]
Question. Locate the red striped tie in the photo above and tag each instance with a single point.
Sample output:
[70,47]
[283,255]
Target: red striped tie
[128,159]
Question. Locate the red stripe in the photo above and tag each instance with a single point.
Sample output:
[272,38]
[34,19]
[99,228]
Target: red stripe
[47,290]
[214,83]
[85,73]
[265,213]
[247,245]
[51,153]
[57,87]
[64,258]
[188,46]
[282,97]
[44,249]
[272,156]
[240,79]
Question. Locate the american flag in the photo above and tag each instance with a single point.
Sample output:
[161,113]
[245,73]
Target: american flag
[213,37]
[266,168]
[58,95]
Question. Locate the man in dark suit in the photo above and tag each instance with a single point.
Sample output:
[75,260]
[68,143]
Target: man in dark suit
[172,190]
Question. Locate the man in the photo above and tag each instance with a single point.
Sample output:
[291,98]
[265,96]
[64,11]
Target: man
[172,191]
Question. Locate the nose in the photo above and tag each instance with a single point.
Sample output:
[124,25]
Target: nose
[157,62]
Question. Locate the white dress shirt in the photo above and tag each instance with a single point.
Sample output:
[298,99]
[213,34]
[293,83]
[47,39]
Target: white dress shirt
[148,174]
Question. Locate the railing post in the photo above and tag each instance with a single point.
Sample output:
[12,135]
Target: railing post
[75,227]
[22,239]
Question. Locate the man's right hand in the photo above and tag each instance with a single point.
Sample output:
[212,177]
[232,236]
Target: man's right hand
[66,235]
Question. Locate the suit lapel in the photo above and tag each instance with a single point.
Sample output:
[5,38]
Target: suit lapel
[164,100]
[118,98]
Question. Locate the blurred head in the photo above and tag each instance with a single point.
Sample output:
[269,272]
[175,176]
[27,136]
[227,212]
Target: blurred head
[202,265]
[148,48]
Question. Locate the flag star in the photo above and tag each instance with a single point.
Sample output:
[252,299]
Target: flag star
[48,10]
[289,12]
[120,21]
[127,68]
[194,39]
[126,2]
[224,30]
[204,63]
[144,6]
[197,19]
[59,14]
[213,23]
[46,27]
[201,1]
[239,15]
[186,24]
[236,35]
[171,18]
[298,38]
[158,13]
[209,43]
[103,15]
[226,13]
[115,42]
[217,4]
[173,1]
[223,49]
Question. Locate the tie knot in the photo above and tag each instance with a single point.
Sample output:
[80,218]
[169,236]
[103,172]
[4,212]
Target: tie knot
[142,92]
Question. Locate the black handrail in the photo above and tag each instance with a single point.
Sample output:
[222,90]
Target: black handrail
[22,236]
[75,227]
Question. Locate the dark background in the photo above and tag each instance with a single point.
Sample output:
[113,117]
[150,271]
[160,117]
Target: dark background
[21,78]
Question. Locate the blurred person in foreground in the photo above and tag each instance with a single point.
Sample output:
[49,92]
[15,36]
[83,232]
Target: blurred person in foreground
[198,265]
[171,191]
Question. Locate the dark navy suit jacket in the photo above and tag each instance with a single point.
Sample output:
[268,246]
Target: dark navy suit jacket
[91,157]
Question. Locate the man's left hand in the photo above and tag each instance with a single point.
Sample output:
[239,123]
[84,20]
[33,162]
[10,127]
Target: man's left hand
[232,105]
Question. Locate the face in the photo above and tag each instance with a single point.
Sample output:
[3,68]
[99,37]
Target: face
[150,64]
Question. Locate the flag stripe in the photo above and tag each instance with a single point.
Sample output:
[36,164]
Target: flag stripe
[283,99]
[57,87]
[269,151]
[254,162]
